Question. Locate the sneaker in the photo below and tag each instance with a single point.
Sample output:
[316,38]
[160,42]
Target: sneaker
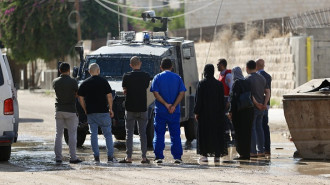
[158,161]
[203,159]
[177,161]
[97,159]
[75,161]
[216,159]
[112,159]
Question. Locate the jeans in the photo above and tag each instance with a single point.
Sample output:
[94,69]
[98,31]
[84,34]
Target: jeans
[103,121]
[257,133]
[67,120]
[266,131]
[173,122]
[142,121]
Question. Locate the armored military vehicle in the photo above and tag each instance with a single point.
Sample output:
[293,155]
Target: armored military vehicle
[114,59]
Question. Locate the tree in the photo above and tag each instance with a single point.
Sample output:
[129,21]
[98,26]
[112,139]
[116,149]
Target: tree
[36,29]
[97,21]
[41,28]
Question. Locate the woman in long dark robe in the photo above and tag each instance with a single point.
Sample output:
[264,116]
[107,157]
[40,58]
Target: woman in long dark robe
[209,112]
[242,120]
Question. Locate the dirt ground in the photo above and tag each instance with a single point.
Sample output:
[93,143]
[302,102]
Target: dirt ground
[32,160]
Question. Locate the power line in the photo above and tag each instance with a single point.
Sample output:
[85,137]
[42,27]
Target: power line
[134,7]
[152,7]
[117,12]
[215,32]
[172,17]
[193,11]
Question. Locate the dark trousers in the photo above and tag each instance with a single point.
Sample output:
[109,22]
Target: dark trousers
[266,131]
[229,128]
[242,121]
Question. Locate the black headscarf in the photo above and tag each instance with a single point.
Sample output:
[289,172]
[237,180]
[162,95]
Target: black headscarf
[208,71]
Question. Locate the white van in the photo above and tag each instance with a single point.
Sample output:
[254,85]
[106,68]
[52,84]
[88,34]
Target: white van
[7,111]
[14,90]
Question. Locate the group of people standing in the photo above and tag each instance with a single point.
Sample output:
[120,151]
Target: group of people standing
[95,98]
[215,111]
[218,113]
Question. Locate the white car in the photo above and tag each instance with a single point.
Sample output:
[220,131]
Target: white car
[8,110]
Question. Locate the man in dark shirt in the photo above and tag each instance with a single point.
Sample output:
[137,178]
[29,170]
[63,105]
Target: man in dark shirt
[260,69]
[135,85]
[66,89]
[96,99]
[259,89]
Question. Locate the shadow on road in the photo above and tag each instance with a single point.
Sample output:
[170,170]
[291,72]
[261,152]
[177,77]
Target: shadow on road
[30,120]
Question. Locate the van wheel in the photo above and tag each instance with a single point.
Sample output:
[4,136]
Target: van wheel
[5,153]
[81,136]
[150,132]
[190,129]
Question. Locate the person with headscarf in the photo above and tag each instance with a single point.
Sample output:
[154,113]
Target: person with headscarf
[242,119]
[209,112]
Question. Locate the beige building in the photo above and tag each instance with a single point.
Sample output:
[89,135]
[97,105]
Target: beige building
[235,11]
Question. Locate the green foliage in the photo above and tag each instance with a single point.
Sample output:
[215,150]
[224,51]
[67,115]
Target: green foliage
[97,21]
[34,29]
[174,24]
[42,29]
[275,102]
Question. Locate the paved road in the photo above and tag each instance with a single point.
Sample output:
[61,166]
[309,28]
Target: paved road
[32,159]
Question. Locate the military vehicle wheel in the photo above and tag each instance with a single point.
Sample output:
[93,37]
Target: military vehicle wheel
[190,129]
[150,132]
[81,136]
[5,152]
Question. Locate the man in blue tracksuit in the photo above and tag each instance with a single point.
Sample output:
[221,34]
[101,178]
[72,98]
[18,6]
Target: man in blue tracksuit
[168,89]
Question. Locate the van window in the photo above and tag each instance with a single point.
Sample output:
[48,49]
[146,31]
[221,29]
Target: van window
[1,77]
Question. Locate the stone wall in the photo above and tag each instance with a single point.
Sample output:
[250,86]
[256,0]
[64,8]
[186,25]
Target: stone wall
[278,54]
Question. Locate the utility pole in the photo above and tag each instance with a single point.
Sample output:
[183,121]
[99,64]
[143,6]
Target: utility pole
[76,4]
[124,19]
[118,19]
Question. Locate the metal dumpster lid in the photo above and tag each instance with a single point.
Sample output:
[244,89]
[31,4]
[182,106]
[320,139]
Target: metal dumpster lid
[316,88]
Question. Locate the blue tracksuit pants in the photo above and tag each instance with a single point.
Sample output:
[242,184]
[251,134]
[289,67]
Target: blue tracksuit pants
[173,123]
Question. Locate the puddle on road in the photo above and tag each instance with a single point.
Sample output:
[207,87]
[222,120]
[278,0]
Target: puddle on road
[35,154]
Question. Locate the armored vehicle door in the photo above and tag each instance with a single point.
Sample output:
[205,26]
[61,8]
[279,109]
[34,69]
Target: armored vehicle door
[185,65]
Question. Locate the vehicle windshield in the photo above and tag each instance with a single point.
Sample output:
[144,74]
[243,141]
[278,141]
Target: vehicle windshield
[117,65]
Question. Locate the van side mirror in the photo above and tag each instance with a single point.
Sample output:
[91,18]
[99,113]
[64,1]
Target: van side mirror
[58,68]
[87,73]
[75,71]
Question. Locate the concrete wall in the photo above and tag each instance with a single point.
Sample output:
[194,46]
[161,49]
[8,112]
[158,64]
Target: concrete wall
[298,48]
[321,46]
[284,59]
[233,11]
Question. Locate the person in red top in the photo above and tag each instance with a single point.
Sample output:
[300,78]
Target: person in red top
[227,80]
